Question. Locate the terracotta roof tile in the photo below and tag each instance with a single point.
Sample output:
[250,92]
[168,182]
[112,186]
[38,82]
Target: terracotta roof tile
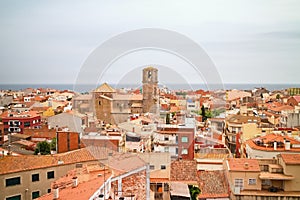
[212,184]
[243,164]
[269,139]
[291,159]
[11,164]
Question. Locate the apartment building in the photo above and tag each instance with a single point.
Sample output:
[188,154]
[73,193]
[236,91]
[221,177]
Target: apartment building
[15,122]
[177,140]
[270,145]
[264,178]
[27,177]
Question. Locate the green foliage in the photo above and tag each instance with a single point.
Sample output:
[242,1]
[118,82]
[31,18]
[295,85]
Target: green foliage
[53,144]
[181,94]
[194,192]
[278,96]
[210,113]
[43,148]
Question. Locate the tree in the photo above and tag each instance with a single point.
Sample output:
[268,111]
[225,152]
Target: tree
[53,144]
[43,148]
[278,96]
[194,192]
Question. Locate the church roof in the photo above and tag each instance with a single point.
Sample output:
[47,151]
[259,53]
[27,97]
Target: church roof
[105,88]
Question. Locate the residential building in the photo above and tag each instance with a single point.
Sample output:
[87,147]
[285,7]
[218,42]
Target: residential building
[5,100]
[24,177]
[120,176]
[16,122]
[290,119]
[84,182]
[270,145]
[237,124]
[177,140]
[112,140]
[274,178]
[72,122]
[160,167]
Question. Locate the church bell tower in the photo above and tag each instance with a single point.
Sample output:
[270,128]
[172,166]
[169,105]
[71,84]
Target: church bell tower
[150,90]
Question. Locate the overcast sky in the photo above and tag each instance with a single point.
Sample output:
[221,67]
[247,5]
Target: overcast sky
[255,41]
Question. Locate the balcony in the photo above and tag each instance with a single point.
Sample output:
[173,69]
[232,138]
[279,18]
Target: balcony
[275,176]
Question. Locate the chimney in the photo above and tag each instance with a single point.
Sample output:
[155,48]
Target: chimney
[246,165]
[75,181]
[287,145]
[275,145]
[55,192]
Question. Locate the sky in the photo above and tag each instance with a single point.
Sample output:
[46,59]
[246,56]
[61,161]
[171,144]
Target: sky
[251,41]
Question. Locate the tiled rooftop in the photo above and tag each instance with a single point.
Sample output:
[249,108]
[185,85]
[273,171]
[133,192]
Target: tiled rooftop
[212,184]
[105,88]
[187,169]
[88,183]
[264,143]
[12,115]
[11,164]
[243,164]
[291,159]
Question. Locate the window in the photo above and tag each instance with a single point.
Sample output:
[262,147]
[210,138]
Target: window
[166,149]
[166,187]
[166,138]
[163,167]
[176,151]
[252,181]
[17,197]
[35,177]
[50,175]
[49,190]
[13,181]
[238,182]
[184,139]
[266,182]
[99,103]
[26,124]
[152,167]
[35,194]
[233,139]
[184,151]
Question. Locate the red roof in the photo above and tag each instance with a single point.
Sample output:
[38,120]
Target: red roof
[291,159]
[297,98]
[243,164]
[269,139]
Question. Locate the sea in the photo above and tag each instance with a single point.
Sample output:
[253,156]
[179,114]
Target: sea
[88,88]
